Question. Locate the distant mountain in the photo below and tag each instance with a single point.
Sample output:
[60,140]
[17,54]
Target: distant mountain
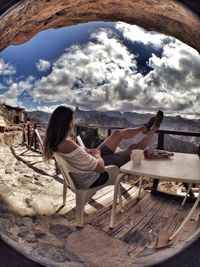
[39,117]
[105,119]
[181,124]
[179,145]
[137,118]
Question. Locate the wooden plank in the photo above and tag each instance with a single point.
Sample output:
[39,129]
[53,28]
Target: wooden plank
[135,234]
[123,217]
[192,227]
[106,199]
[133,216]
[102,219]
[151,229]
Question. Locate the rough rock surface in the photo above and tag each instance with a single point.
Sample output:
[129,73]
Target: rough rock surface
[32,16]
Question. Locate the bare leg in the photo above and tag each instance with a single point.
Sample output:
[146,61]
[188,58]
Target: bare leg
[144,142]
[147,138]
[118,135]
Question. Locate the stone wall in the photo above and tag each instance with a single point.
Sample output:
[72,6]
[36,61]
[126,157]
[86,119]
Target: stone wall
[11,138]
[13,115]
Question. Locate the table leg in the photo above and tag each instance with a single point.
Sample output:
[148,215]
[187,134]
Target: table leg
[120,197]
[186,195]
[187,217]
[191,194]
[114,205]
[155,184]
[140,187]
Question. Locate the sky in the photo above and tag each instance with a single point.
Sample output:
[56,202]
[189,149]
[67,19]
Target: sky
[104,66]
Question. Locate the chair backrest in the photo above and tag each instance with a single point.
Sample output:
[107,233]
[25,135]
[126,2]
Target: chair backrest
[65,169]
[39,137]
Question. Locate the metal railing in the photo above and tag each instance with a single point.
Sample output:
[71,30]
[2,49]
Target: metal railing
[162,133]
[31,140]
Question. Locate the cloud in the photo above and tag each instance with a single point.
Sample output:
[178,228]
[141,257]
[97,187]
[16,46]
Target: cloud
[176,75]
[103,74]
[6,68]
[137,34]
[87,73]
[2,86]
[43,65]
[16,89]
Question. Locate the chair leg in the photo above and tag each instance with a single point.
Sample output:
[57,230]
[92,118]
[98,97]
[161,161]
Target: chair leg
[114,205]
[80,204]
[64,193]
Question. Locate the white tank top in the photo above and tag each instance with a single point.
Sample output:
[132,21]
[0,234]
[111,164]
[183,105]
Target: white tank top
[82,161]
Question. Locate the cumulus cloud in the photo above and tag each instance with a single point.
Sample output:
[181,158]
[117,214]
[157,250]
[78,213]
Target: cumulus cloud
[43,65]
[176,77]
[16,89]
[89,73]
[137,34]
[6,68]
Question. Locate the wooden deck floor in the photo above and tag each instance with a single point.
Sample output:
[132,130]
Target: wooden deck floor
[145,225]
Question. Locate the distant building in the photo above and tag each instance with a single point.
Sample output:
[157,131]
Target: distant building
[13,115]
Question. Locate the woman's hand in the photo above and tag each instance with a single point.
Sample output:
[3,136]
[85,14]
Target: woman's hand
[94,152]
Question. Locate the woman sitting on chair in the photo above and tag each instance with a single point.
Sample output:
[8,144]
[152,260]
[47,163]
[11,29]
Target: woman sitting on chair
[93,161]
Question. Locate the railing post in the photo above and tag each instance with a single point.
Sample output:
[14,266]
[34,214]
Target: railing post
[77,130]
[34,136]
[108,132]
[160,146]
[28,134]
[24,133]
[161,136]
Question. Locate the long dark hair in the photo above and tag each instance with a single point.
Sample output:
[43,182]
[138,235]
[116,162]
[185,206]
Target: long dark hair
[57,130]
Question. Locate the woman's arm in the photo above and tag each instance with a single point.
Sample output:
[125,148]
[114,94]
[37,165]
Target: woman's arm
[96,153]
[101,164]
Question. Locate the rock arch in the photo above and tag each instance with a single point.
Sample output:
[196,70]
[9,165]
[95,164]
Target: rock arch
[29,17]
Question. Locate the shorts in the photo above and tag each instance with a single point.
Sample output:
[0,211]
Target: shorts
[102,179]
[113,158]
[110,158]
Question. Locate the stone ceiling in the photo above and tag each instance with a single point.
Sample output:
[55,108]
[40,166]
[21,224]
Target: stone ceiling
[180,19]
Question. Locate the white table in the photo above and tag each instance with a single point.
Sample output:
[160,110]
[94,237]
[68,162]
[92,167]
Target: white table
[181,167]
